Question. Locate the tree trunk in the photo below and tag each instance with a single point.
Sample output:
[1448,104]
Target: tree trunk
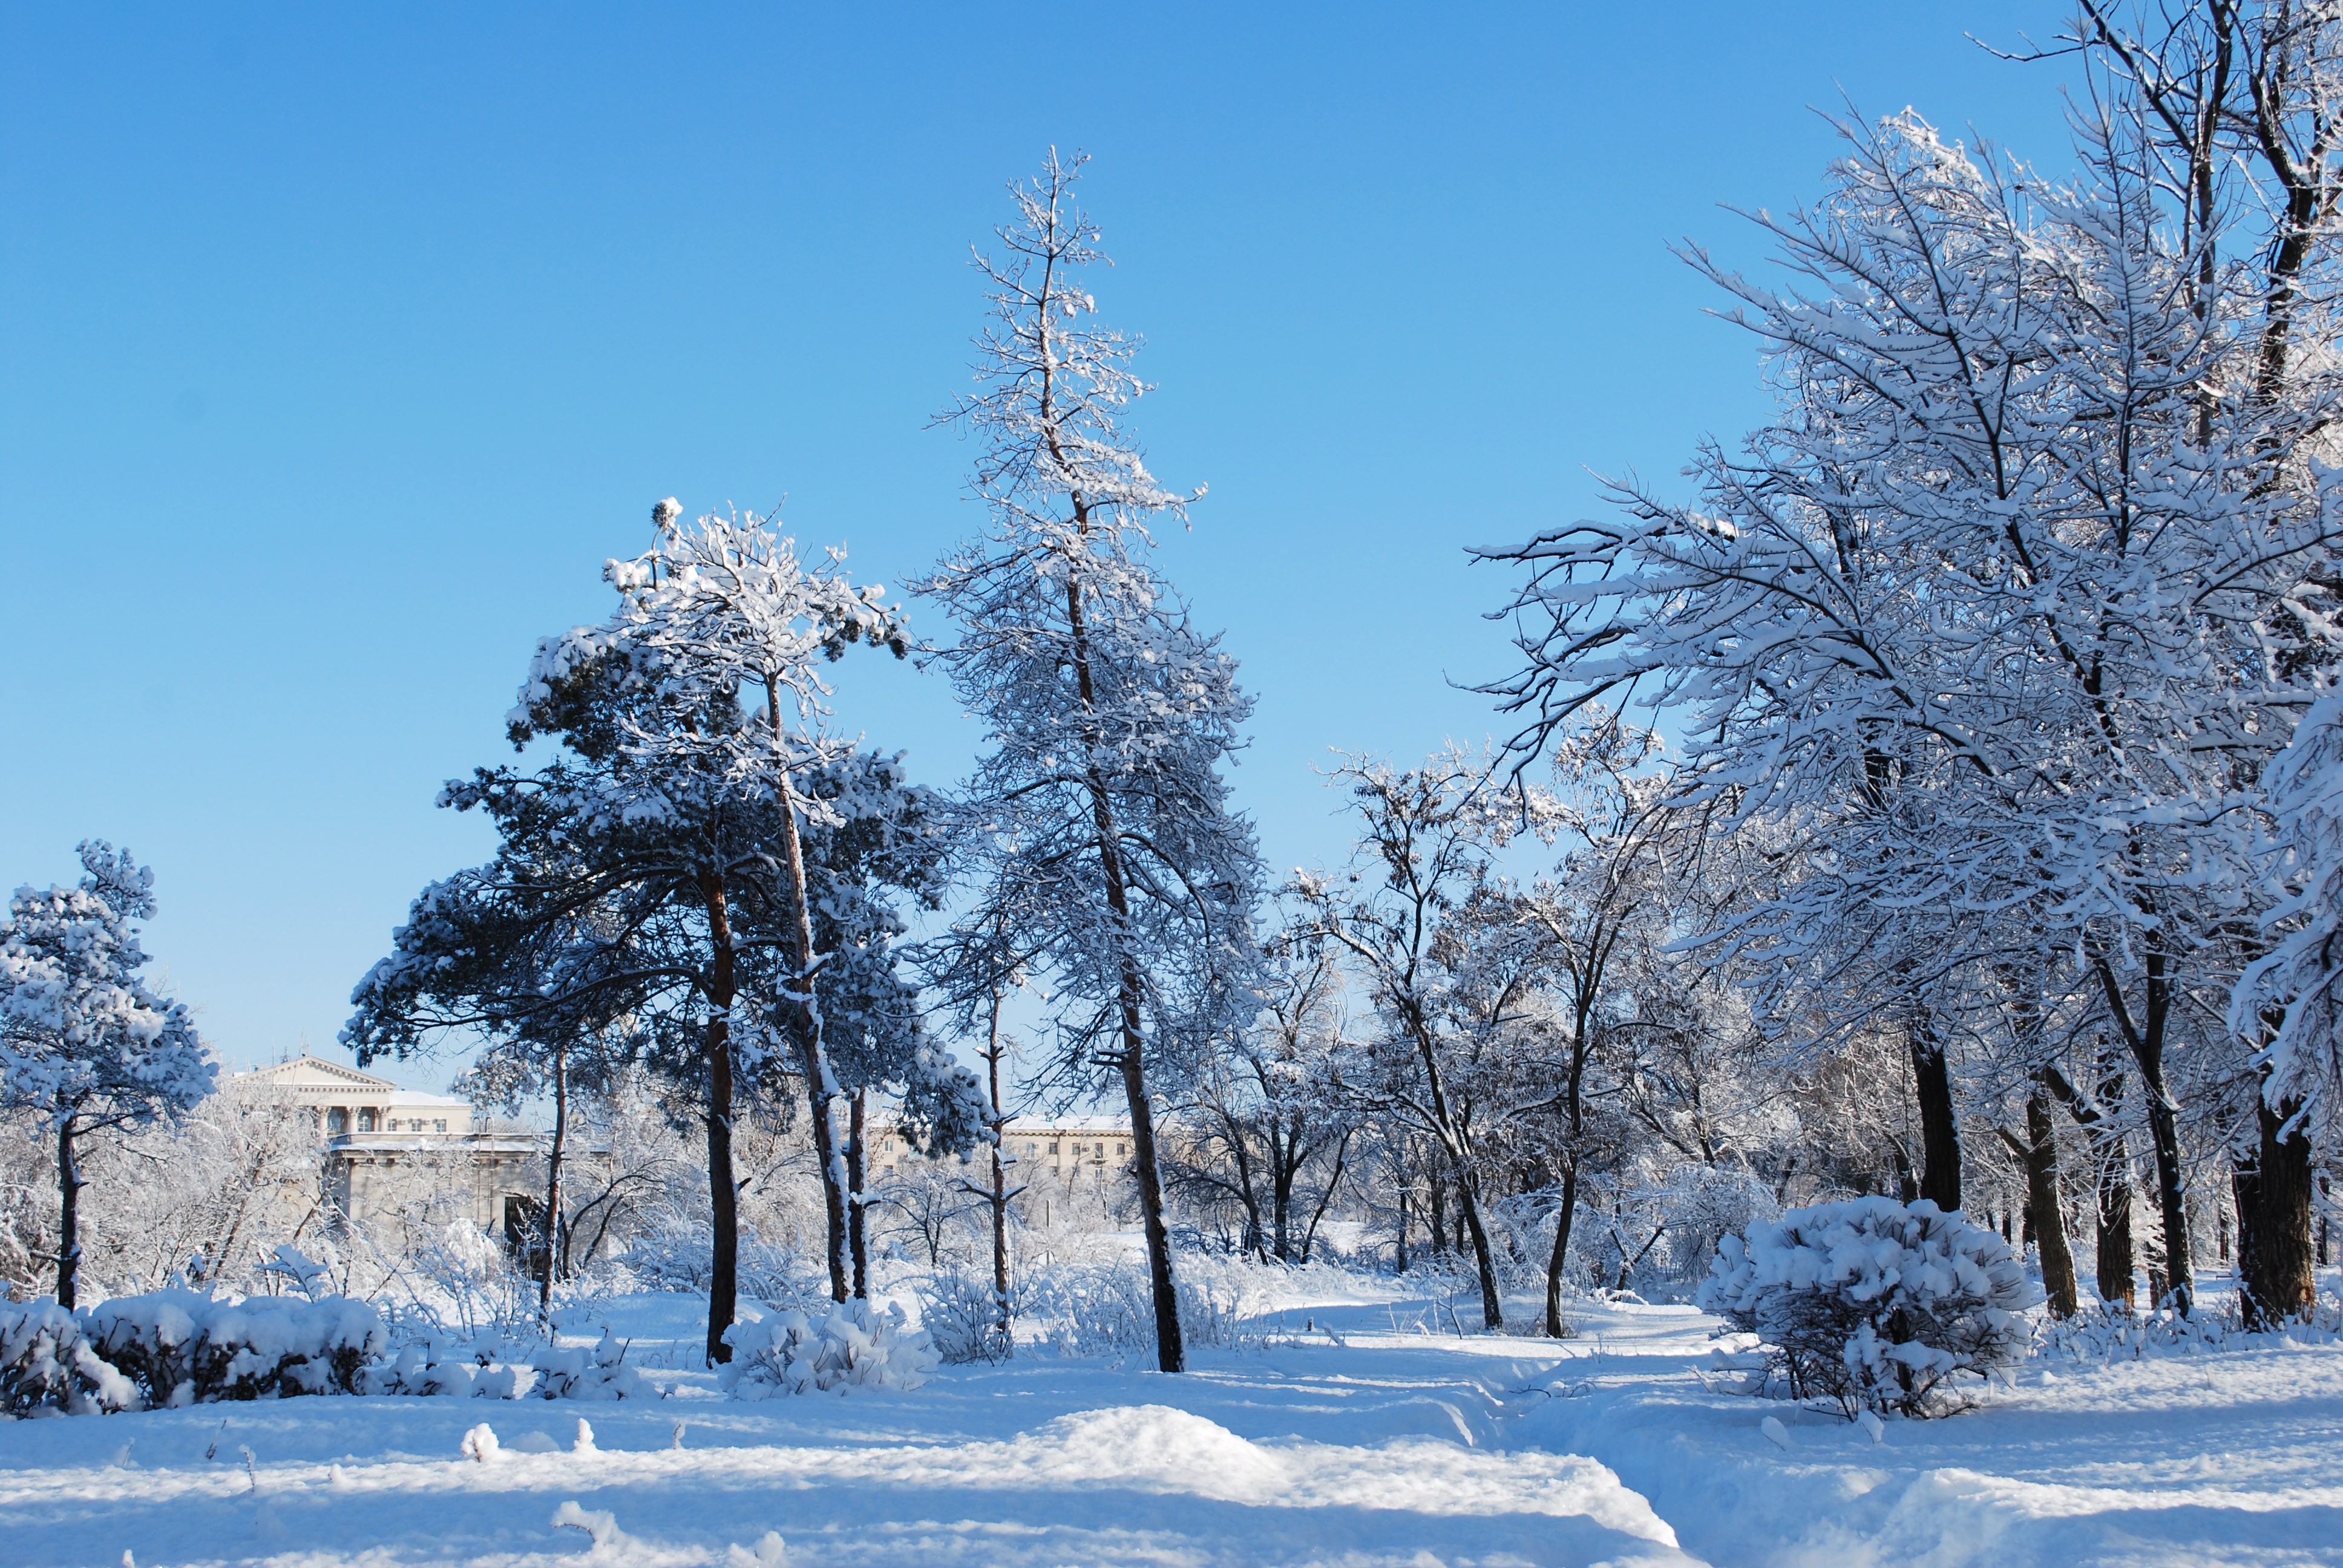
[1000,1182]
[1399,1250]
[1940,1131]
[2274,1236]
[2145,1041]
[1170,1350]
[70,1186]
[2047,1207]
[723,1190]
[812,1054]
[553,1178]
[1326,1197]
[857,1203]
[1554,1327]
[1468,1202]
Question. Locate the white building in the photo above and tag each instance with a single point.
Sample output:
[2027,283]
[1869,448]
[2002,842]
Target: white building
[381,1142]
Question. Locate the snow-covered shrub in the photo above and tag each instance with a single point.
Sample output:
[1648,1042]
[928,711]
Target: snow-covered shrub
[599,1373]
[1100,1309]
[2102,1332]
[182,1347]
[47,1364]
[1875,1304]
[963,1317]
[851,1346]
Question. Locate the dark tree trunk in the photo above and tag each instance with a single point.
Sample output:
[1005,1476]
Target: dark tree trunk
[1554,1327]
[1940,1131]
[993,1052]
[1399,1250]
[857,1204]
[2145,1039]
[723,1189]
[1325,1197]
[70,1186]
[1171,1348]
[2273,1232]
[553,1180]
[2046,1206]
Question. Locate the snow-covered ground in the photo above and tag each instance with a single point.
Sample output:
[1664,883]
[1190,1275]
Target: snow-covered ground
[1380,1443]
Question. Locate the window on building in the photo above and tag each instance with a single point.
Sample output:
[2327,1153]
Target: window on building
[1053,1149]
[1117,1148]
[337,1121]
[440,1126]
[367,1122]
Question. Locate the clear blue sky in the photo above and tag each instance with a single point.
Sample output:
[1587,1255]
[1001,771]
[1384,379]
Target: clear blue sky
[338,348]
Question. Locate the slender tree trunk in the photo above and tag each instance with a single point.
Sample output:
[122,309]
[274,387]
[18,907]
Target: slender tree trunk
[1554,1327]
[723,1190]
[1940,1129]
[1325,1198]
[553,1178]
[1170,1350]
[2274,1236]
[821,1087]
[2146,1041]
[993,1052]
[70,1186]
[1398,1252]
[2046,1206]
[857,1166]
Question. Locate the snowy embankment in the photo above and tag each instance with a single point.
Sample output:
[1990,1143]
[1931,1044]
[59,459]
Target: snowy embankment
[1378,1444]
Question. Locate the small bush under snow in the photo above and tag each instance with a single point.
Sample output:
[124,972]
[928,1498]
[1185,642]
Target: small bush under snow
[46,1364]
[963,1318]
[1108,1308]
[851,1346]
[1874,1304]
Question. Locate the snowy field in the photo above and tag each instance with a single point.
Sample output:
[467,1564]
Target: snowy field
[1376,1442]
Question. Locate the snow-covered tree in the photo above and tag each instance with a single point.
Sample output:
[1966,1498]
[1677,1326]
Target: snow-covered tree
[1268,1126]
[1446,1004]
[86,1042]
[1982,613]
[1101,830]
[664,869]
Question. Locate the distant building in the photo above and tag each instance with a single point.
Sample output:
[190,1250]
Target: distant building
[1066,1147]
[382,1144]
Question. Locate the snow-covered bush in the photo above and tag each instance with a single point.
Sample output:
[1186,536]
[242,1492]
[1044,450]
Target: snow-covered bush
[1088,1309]
[852,1346]
[46,1364]
[600,1373]
[1875,1304]
[963,1317]
[2104,1332]
[182,1347]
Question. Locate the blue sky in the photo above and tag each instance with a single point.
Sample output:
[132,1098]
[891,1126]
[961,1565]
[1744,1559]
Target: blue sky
[338,349]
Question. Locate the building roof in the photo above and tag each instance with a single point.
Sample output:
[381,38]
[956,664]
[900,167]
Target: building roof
[306,1072]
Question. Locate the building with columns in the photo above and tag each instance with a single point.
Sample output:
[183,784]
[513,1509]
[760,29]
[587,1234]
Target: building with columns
[383,1144]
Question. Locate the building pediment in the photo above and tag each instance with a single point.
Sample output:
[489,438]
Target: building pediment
[306,1072]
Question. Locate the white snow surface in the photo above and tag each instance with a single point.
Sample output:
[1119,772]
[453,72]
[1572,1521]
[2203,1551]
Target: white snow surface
[1378,1444]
